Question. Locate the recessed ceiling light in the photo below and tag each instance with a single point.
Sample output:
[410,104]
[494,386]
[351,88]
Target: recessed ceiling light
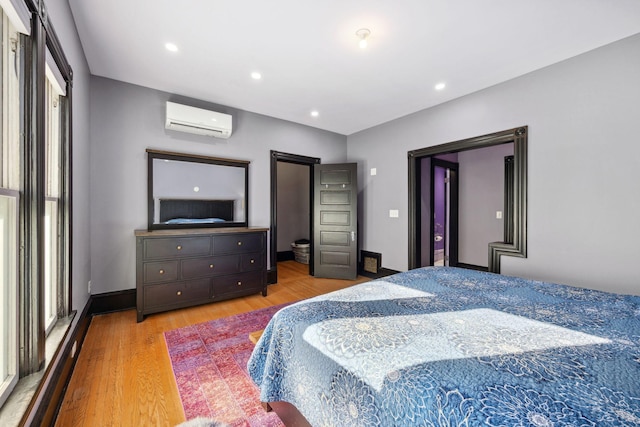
[315,113]
[256,75]
[440,86]
[171,47]
[363,34]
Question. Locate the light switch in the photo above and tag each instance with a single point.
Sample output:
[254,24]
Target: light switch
[393,213]
[498,214]
[373,171]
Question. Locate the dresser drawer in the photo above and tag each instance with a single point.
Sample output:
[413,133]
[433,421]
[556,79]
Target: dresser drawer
[239,242]
[162,271]
[250,262]
[210,266]
[236,283]
[172,247]
[176,294]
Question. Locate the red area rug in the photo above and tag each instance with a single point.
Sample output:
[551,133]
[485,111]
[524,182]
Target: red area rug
[209,362]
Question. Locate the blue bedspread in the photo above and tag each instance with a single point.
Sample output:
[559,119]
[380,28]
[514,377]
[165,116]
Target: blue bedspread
[443,346]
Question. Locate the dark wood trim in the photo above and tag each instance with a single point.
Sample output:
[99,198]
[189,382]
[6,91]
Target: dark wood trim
[272,275]
[55,48]
[415,212]
[518,136]
[167,155]
[472,267]
[32,204]
[508,199]
[171,155]
[67,193]
[112,301]
[286,256]
[432,220]
[453,214]
[383,272]
[489,140]
[45,403]
[518,247]
[277,156]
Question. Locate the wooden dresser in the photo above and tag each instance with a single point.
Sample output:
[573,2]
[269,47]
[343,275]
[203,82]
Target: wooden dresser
[182,268]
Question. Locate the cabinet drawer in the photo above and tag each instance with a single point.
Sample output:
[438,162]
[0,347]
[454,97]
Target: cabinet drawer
[250,262]
[236,283]
[172,247]
[239,242]
[210,266]
[163,271]
[174,294]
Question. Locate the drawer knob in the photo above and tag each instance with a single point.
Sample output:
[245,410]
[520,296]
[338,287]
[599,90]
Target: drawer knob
[179,247]
[179,293]
[210,265]
[161,271]
[239,243]
[239,283]
[253,261]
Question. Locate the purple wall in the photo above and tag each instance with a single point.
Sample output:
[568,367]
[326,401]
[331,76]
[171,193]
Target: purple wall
[440,205]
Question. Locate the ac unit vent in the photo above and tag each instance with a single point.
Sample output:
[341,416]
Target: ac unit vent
[184,118]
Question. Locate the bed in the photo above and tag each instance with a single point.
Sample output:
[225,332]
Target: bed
[195,211]
[442,346]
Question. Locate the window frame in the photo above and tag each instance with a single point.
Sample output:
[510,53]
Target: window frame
[33,334]
[8,383]
[11,112]
[36,43]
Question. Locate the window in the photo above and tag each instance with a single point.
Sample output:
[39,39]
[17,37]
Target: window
[9,191]
[34,191]
[52,292]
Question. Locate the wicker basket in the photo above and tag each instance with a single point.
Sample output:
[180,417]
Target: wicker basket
[301,252]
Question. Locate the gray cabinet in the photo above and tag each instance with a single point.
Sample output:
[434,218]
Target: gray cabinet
[182,268]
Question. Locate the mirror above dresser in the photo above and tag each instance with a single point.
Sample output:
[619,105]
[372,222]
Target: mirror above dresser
[193,191]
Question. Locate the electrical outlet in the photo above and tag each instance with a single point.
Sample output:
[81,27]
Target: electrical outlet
[89,286]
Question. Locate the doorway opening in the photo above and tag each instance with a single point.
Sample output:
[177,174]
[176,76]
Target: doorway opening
[430,231]
[291,206]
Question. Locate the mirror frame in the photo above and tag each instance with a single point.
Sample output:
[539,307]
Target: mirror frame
[194,158]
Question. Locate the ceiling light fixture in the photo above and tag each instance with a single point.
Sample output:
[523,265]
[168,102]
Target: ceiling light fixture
[171,47]
[256,75]
[315,113]
[440,86]
[363,34]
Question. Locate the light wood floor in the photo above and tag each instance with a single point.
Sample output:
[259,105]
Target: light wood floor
[123,375]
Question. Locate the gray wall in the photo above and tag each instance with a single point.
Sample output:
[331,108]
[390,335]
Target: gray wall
[126,120]
[293,204]
[60,15]
[584,167]
[481,186]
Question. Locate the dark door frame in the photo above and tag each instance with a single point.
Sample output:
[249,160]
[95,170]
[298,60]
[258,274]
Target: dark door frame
[452,216]
[518,246]
[277,156]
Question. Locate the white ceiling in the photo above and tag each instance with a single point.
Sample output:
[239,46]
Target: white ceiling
[308,54]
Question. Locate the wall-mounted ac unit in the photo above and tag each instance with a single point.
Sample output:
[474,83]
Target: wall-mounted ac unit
[184,118]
